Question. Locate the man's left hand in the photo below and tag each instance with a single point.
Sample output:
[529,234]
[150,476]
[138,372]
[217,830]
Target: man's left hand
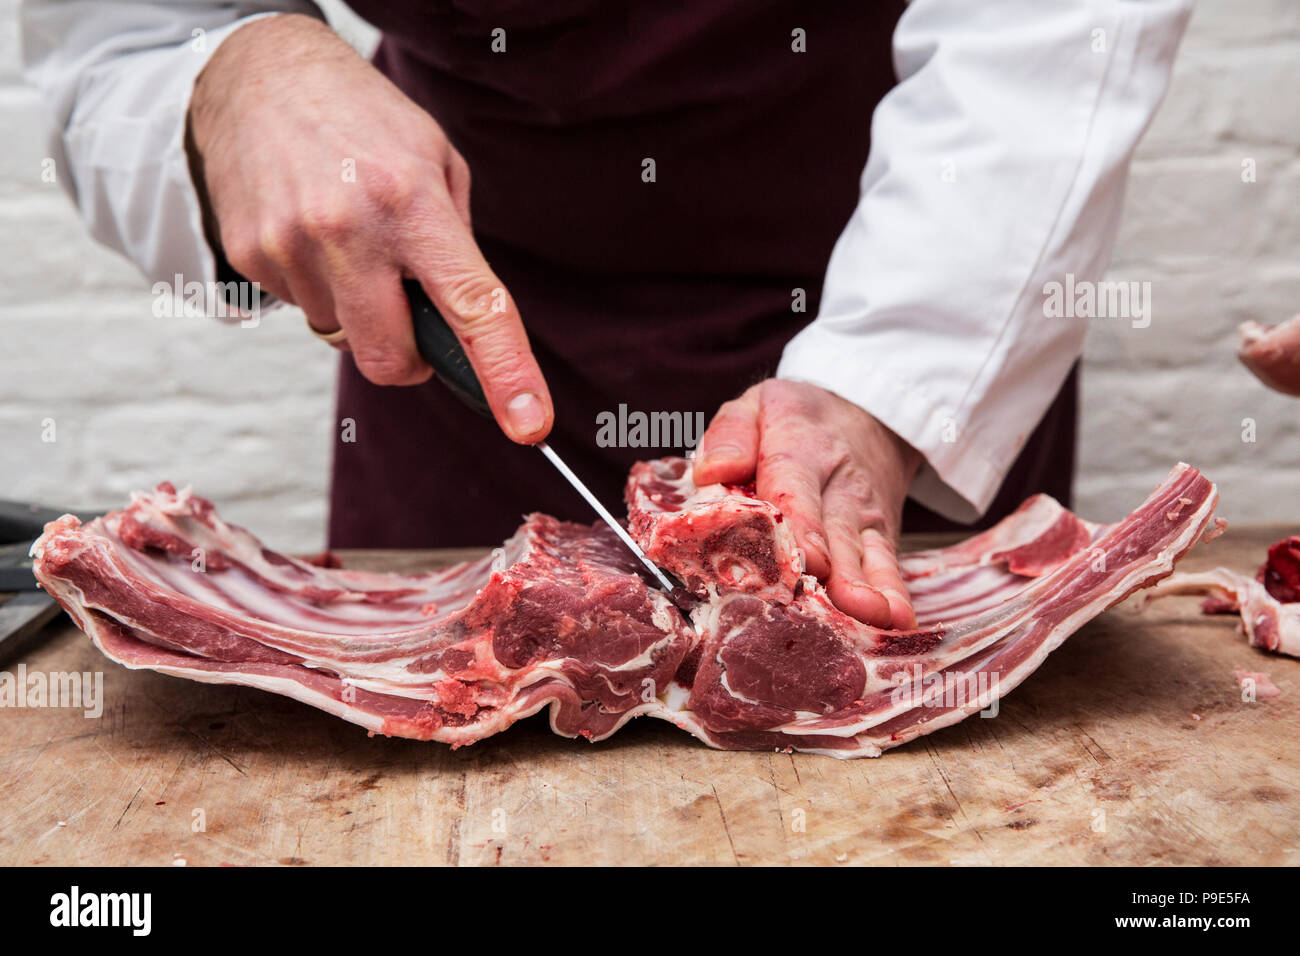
[838,475]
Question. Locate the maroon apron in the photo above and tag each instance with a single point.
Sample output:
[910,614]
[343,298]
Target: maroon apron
[664,296]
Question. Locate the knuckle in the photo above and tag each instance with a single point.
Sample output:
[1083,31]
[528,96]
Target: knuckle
[779,391]
[324,225]
[847,525]
[398,190]
[873,519]
[280,240]
[731,410]
[835,449]
[245,255]
[789,471]
[856,486]
[475,300]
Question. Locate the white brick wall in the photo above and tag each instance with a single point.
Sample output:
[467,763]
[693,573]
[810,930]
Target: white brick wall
[1217,251]
[246,413]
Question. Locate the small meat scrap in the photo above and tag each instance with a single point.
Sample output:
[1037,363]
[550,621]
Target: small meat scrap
[1256,685]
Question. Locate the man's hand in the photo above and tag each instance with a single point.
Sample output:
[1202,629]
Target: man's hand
[1273,354]
[328,186]
[839,477]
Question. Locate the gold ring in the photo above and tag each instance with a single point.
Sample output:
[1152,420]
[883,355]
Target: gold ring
[333,338]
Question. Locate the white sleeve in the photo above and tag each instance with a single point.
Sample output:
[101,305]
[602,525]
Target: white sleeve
[116,78]
[997,166]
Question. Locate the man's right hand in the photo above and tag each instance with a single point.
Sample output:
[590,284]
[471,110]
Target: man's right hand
[279,116]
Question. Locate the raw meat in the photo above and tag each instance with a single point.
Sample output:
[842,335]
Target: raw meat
[1273,354]
[714,539]
[1259,683]
[559,617]
[1280,572]
[800,674]
[1269,603]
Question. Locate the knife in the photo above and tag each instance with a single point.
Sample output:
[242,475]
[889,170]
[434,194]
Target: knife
[21,523]
[22,519]
[25,613]
[438,344]
[22,617]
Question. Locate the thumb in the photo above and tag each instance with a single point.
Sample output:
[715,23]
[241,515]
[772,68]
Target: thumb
[728,450]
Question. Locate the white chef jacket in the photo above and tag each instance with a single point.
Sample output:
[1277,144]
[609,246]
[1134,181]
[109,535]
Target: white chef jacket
[997,165]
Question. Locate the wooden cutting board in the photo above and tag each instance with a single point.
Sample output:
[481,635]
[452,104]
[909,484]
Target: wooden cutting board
[1130,745]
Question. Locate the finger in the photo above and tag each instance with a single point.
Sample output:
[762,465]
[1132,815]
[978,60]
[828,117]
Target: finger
[881,570]
[244,255]
[312,295]
[846,584]
[279,264]
[789,482]
[728,450]
[476,305]
[371,306]
[318,307]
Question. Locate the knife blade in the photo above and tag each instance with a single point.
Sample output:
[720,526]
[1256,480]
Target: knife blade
[16,568]
[438,344]
[22,519]
[25,613]
[20,524]
[660,575]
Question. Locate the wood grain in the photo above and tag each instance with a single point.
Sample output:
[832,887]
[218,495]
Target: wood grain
[1130,745]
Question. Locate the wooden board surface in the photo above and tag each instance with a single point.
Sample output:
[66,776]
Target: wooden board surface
[1130,745]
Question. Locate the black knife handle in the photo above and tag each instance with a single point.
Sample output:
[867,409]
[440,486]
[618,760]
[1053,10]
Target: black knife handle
[441,349]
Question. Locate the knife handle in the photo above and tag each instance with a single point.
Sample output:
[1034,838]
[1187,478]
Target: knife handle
[441,349]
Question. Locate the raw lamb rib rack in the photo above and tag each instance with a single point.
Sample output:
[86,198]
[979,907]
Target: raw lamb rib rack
[559,617]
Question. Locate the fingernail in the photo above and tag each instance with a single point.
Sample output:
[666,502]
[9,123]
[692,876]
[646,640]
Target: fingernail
[526,413]
[900,607]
